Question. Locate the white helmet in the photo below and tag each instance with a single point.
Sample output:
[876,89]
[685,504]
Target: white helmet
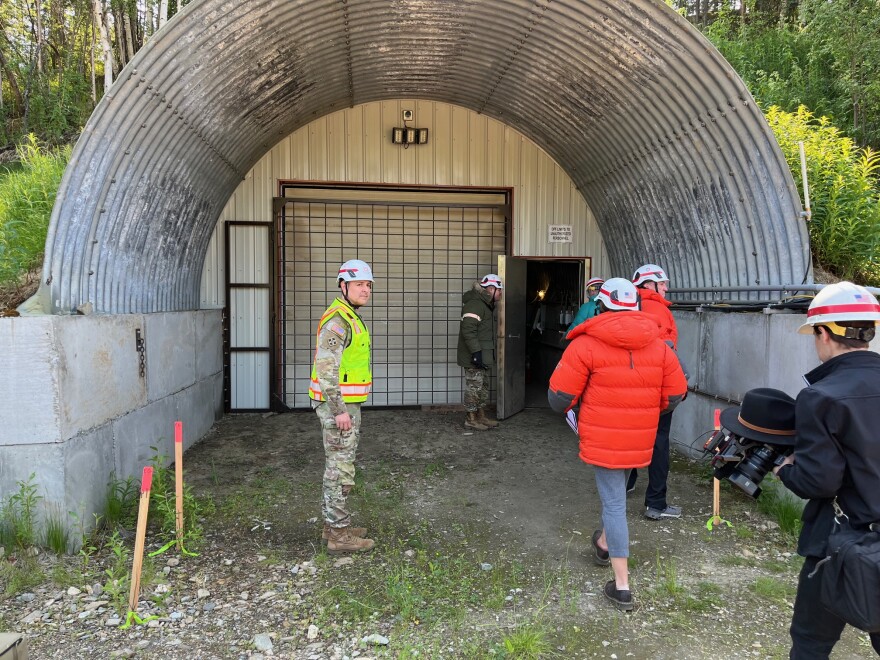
[355,270]
[839,303]
[595,281]
[491,280]
[619,295]
[649,273]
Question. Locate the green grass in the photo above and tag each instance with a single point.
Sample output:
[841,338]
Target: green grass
[122,503]
[21,575]
[780,505]
[18,516]
[528,643]
[774,590]
[27,195]
[57,532]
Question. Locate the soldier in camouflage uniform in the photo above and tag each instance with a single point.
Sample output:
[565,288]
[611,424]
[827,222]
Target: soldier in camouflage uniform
[341,381]
[476,348]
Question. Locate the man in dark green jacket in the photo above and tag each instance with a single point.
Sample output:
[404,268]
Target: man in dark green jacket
[476,348]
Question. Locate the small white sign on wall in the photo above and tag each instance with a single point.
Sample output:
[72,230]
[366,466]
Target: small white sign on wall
[559,234]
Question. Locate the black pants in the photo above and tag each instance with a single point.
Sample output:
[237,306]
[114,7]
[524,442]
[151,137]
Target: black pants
[658,470]
[814,630]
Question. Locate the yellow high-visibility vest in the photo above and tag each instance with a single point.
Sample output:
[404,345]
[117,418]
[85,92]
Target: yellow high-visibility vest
[355,374]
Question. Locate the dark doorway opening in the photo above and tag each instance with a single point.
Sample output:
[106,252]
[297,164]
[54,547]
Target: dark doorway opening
[555,291]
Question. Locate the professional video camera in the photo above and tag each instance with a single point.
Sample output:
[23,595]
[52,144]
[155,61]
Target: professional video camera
[753,439]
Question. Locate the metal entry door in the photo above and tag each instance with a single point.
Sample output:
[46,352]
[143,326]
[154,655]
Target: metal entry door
[249,320]
[512,337]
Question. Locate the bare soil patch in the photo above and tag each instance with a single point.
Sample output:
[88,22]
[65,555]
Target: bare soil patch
[482,541]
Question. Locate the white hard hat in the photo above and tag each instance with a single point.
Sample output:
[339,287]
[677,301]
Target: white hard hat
[649,273]
[619,294]
[595,281]
[355,270]
[491,280]
[839,303]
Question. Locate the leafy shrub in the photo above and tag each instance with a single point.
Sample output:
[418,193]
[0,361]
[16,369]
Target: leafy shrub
[844,193]
[27,195]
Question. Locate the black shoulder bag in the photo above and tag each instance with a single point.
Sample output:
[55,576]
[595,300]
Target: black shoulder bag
[850,578]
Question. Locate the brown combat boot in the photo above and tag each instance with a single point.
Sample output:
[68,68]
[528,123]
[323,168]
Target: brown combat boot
[473,422]
[359,532]
[341,540]
[485,420]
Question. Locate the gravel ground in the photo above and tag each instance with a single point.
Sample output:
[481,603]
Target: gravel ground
[482,552]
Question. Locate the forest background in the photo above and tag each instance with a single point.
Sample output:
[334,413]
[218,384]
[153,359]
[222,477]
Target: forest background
[812,65]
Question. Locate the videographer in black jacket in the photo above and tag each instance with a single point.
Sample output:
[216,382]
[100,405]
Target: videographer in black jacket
[837,449]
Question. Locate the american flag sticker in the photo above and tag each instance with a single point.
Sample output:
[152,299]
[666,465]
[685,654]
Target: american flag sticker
[338,329]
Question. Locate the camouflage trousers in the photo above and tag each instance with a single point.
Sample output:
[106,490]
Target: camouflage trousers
[476,388]
[339,454]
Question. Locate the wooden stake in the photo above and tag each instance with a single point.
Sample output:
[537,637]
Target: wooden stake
[178,476]
[137,566]
[716,486]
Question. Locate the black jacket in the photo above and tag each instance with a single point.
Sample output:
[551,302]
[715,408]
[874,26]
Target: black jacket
[837,447]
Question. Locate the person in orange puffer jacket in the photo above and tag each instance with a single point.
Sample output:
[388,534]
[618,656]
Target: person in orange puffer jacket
[623,376]
[652,283]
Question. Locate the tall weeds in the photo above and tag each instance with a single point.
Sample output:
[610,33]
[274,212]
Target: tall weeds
[27,195]
[844,190]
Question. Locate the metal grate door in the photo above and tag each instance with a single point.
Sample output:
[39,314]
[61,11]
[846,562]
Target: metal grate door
[425,250]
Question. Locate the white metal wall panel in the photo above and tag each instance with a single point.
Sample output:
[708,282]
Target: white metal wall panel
[465,148]
[247,372]
[250,316]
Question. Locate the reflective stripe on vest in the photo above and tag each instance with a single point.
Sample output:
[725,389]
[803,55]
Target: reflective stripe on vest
[355,375]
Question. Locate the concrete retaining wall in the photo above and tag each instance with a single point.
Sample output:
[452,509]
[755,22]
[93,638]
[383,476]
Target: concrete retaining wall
[75,406]
[731,353]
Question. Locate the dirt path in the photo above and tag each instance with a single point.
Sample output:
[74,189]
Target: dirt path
[482,551]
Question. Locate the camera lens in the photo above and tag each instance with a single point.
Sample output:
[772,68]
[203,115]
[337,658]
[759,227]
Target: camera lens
[753,468]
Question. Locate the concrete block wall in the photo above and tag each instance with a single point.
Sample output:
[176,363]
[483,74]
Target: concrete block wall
[75,407]
[731,353]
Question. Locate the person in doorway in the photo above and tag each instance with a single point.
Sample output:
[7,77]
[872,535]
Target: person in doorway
[653,283]
[623,377]
[476,348]
[589,309]
[341,381]
[836,458]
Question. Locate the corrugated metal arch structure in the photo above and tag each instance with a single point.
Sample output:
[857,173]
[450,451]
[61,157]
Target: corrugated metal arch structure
[653,126]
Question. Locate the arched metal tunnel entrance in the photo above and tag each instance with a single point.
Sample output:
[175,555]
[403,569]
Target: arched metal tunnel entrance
[654,127]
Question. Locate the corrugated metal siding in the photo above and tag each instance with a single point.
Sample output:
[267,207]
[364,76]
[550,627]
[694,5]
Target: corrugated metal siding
[653,127]
[464,149]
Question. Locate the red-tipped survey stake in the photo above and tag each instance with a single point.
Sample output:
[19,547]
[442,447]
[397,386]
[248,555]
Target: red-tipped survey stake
[137,566]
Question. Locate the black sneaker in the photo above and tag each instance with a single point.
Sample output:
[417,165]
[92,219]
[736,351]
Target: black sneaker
[622,598]
[600,556]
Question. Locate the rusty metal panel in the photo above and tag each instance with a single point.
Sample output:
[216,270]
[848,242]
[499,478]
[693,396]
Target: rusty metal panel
[656,131]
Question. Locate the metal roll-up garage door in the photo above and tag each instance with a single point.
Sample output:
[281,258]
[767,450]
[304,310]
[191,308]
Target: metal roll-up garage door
[425,247]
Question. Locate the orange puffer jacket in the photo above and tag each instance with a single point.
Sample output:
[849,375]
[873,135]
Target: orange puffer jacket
[657,306]
[623,376]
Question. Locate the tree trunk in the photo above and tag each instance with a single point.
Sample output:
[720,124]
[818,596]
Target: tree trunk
[129,36]
[17,98]
[106,48]
[163,13]
[38,34]
[92,63]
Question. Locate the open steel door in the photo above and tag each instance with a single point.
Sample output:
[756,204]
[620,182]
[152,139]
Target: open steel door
[512,337]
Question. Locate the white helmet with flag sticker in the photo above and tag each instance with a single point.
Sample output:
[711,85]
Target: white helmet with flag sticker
[839,303]
[355,270]
[491,280]
[649,273]
[619,295]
